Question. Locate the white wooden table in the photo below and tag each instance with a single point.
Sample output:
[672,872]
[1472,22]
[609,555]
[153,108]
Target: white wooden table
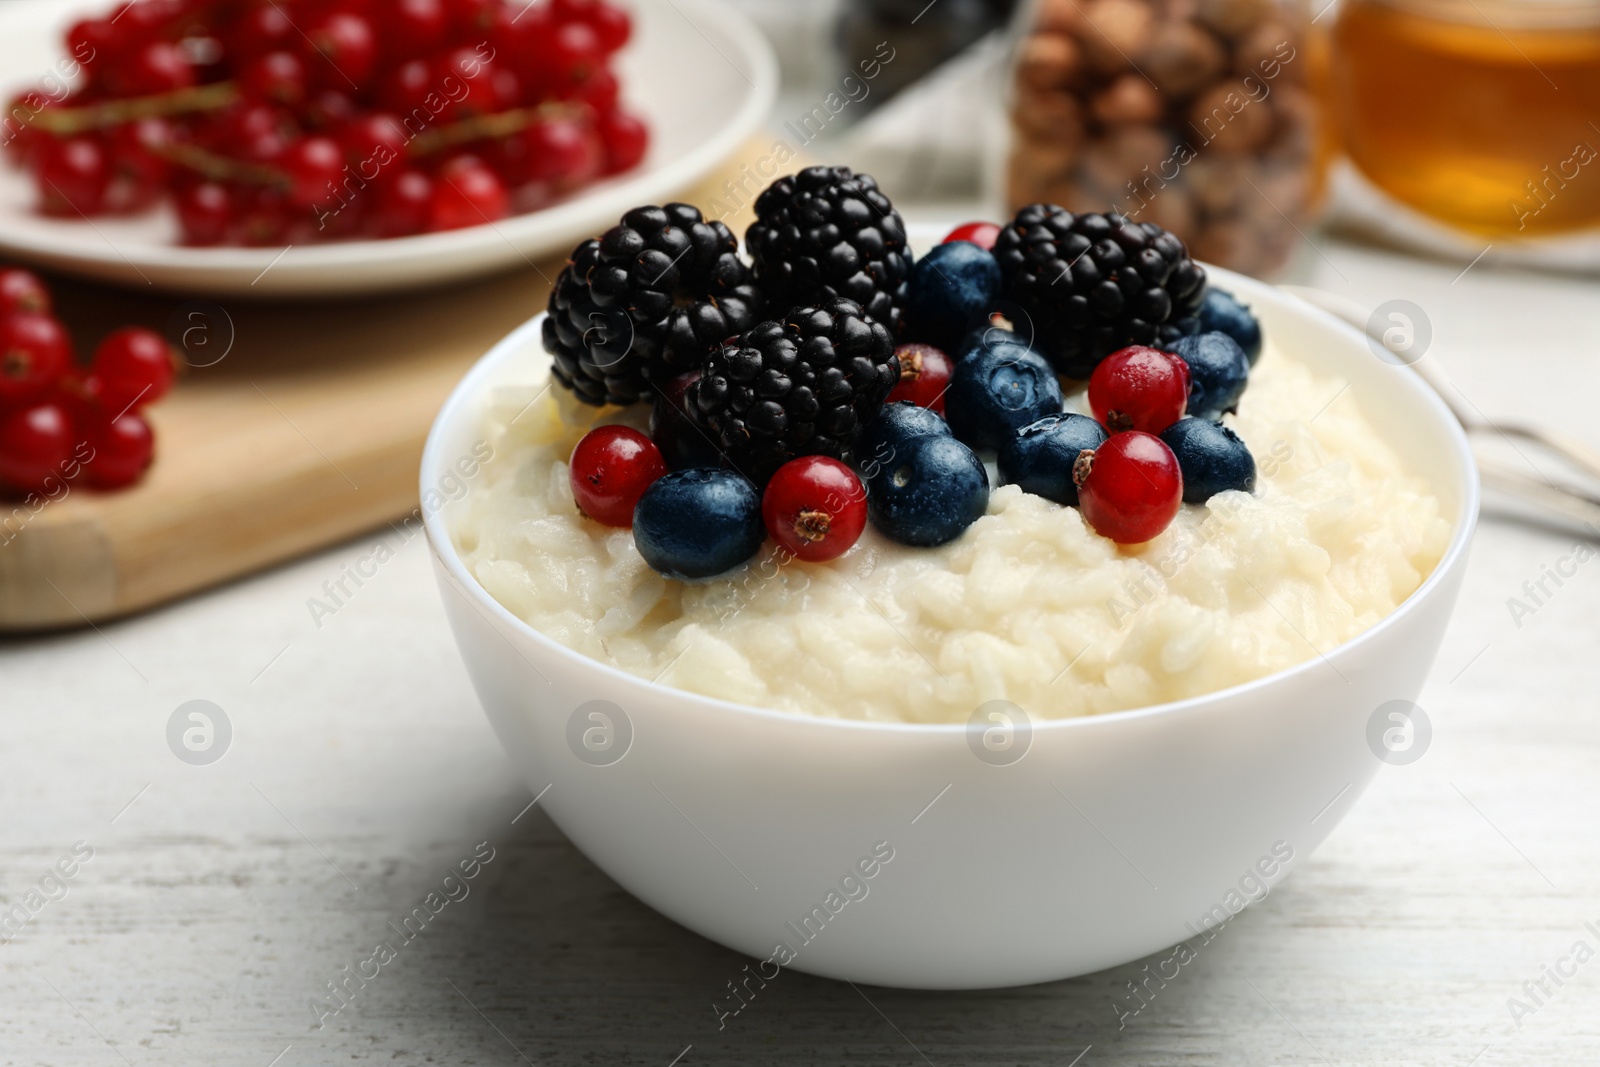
[221,899]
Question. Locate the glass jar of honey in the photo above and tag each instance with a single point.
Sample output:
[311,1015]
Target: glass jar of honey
[1481,113]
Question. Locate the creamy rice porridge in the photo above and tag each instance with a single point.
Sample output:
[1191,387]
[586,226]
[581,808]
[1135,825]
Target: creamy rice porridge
[1028,605]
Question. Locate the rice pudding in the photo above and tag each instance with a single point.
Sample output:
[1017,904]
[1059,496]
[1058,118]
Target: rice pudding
[1028,605]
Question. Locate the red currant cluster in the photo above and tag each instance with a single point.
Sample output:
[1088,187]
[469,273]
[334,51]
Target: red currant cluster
[58,420]
[288,121]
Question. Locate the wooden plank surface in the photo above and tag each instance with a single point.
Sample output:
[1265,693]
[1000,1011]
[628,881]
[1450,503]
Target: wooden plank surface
[307,432]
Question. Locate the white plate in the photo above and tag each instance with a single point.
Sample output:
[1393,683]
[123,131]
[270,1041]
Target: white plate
[700,74]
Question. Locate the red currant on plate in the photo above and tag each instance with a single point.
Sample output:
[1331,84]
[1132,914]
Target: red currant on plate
[35,444]
[1139,388]
[404,204]
[610,470]
[626,140]
[34,354]
[72,176]
[982,234]
[815,507]
[131,368]
[1130,488]
[468,193]
[924,376]
[314,166]
[205,213]
[123,448]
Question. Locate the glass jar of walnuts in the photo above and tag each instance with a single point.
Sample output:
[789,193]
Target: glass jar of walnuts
[1197,115]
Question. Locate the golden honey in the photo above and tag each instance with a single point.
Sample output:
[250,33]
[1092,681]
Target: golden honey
[1482,113]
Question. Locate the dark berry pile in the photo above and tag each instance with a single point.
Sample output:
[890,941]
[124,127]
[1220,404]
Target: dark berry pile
[1090,284]
[645,302]
[828,233]
[803,386]
[287,121]
[876,385]
[63,424]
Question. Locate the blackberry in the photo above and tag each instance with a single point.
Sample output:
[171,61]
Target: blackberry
[827,233]
[1094,283]
[645,301]
[803,386]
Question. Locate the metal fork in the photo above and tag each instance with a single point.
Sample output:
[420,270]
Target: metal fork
[1561,498]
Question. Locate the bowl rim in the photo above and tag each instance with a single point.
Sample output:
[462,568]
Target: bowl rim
[1248,289]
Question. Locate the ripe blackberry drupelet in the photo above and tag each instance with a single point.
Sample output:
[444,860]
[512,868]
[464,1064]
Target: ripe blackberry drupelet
[803,386]
[1094,283]
[645,301]
[827,233]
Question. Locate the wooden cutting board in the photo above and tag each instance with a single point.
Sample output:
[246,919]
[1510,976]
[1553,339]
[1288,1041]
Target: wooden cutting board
[308,432]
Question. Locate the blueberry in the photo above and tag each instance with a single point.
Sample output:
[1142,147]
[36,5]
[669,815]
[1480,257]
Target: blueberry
[1212,458]
[1218,370]
[1221,311]
[897,422]
[997,388]
[699,522]
[933,490]
[1039,458]
[953,288]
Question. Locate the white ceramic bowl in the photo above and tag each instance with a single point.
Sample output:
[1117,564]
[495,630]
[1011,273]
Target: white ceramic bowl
[696,123]
[1113,837]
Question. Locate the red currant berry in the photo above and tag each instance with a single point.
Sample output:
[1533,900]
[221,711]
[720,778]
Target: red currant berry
[982,234]
[612,25]
[123,448]
[21,290]
[467,193]
[257,132]
[572,51]
[72,176]
[408,86]
[313,164]
[1129,488]
[471,19]
[348,45]
[261,29]
[815,507]
[626,140]
[600,90]
[277,77]
[373,141]
[34,354]
[264,216]
[205,213]
[35,445]
[330,109]
[413,27]
[563,151]
[138,168]
[924,376]
[21,137]
[158,67]
[1139,388]
[92,41]
[404,204]
[131,368]
[610,470]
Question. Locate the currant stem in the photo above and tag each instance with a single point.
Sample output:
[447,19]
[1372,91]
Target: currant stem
[481,127]
[220,167]
[68,121]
